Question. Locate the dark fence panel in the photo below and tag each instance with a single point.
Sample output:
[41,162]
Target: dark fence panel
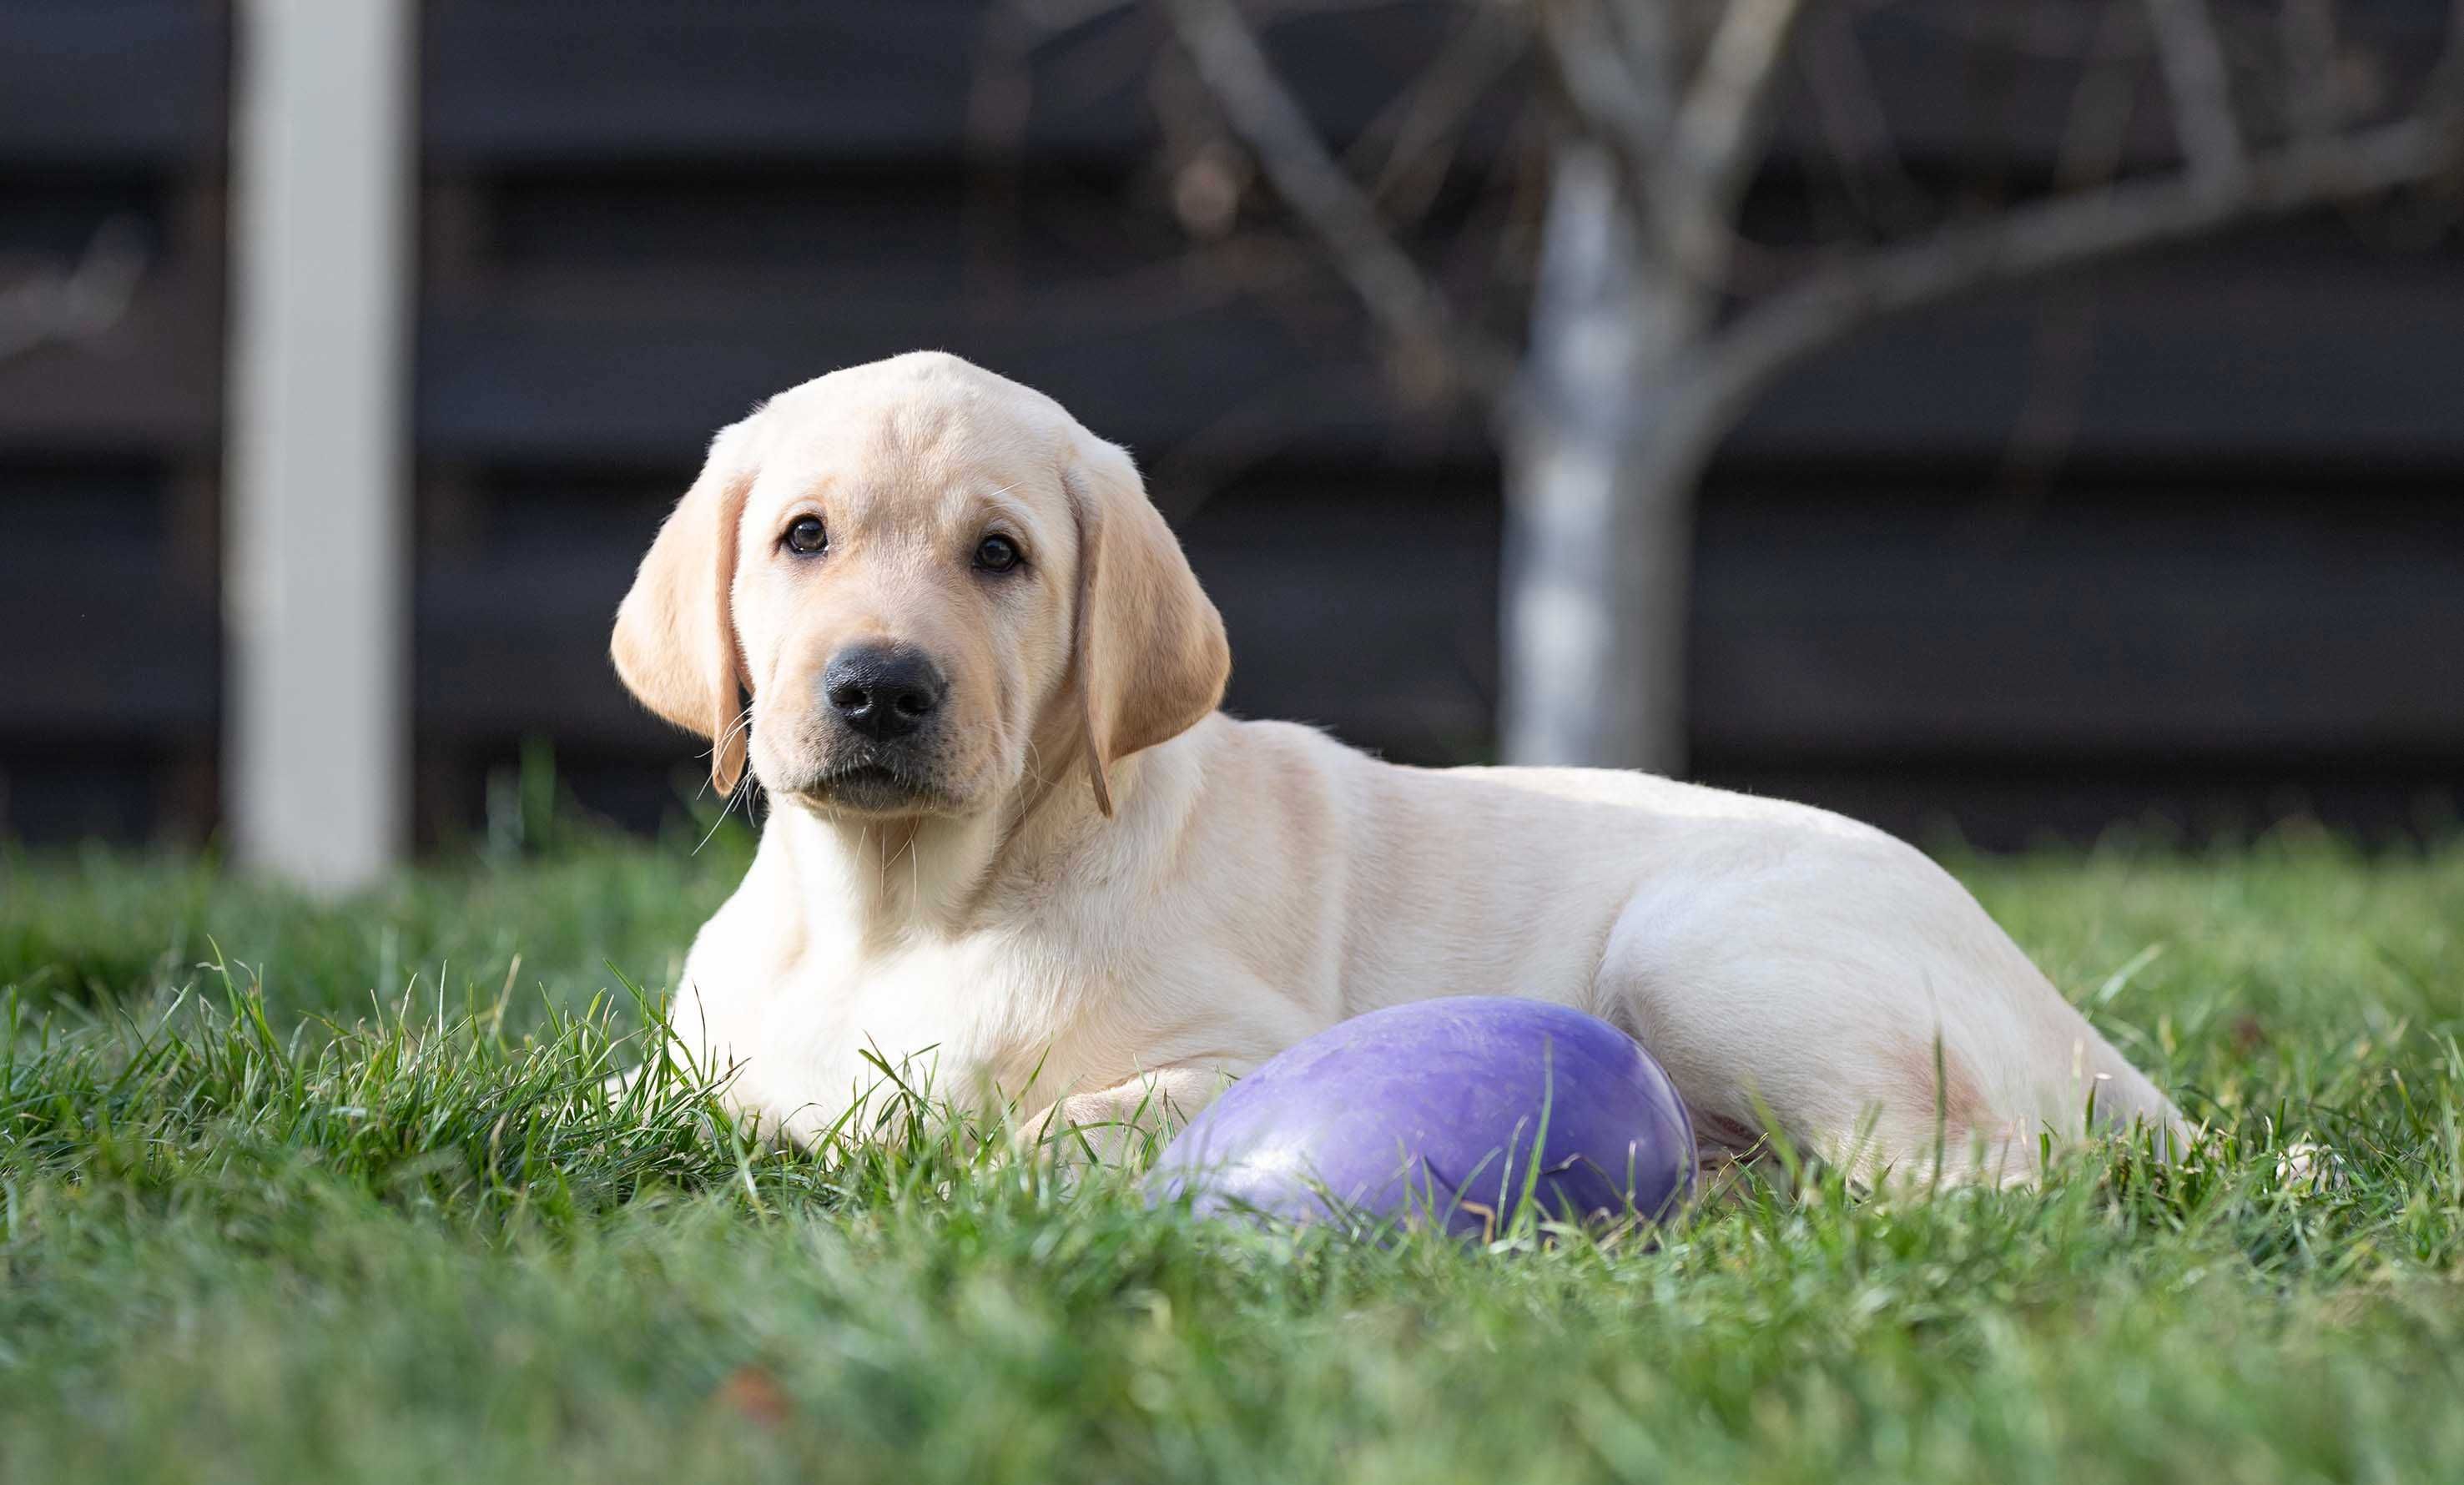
[2181,532]
[2235,623]
[112,132]
[2184,533]
[111,85]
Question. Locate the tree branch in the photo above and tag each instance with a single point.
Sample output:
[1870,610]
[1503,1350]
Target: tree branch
[2200,92]
[1631,107]
[1644,37]
[79,304]
[1622,89]
[2096,134]
[1423,127]
[1719,127]
[1270,121]
[1683,160]
[1856,127]
[2064,232]
[2306,33]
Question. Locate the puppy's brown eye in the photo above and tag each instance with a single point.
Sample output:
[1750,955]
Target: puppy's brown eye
[997,555]
[806,536]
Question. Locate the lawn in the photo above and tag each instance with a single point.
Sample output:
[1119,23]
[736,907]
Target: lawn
[291,1190]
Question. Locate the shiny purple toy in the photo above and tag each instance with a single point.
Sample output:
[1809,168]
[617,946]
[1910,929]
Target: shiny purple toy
[1430,1111]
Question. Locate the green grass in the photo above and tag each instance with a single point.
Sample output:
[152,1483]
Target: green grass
[302,1191]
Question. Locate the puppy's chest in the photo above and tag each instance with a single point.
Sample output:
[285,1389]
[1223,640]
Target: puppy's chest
[806,1033]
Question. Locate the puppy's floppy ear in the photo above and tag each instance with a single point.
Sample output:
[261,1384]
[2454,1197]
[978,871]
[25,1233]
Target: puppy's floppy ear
[676,644]
[1148,647]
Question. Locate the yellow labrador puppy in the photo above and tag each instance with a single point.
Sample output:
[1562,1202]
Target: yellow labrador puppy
[1012,837]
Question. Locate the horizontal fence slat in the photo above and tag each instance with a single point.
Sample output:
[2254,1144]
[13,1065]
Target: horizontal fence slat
[513,642]
[2297,348]
[2324,353]
[632,368]
[779,80]
[111,84]
[2204,626]
[524,86]
[149,381]
[103,642]
[2021,803]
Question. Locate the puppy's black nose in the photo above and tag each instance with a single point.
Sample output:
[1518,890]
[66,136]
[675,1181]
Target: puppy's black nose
[884,691]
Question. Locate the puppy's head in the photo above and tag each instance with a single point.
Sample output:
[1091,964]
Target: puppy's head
[917,568]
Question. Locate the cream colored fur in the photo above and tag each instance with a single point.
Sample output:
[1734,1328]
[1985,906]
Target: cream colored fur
[1106,895]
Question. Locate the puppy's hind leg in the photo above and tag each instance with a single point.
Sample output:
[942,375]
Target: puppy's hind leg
[1742,1058]
[1866,1013]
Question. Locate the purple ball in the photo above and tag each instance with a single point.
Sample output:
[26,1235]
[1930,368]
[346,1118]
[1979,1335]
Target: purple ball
[1430,1110]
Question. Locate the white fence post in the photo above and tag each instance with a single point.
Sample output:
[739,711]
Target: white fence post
[316,536]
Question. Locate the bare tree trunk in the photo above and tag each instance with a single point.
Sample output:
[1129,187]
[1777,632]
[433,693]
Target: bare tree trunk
[1603,449]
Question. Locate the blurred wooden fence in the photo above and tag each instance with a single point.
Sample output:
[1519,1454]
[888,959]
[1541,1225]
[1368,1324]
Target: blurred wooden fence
[112,116]
[2243,572]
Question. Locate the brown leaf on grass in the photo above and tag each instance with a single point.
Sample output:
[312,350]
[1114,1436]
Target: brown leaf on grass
[751,1392]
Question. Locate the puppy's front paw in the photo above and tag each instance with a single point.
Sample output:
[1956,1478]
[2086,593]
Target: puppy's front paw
[2310,1167]
[1094,1130]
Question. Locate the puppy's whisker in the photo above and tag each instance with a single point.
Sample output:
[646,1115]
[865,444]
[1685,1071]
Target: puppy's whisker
[1034,766]
[743,722]
[915,869]
[745,784]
